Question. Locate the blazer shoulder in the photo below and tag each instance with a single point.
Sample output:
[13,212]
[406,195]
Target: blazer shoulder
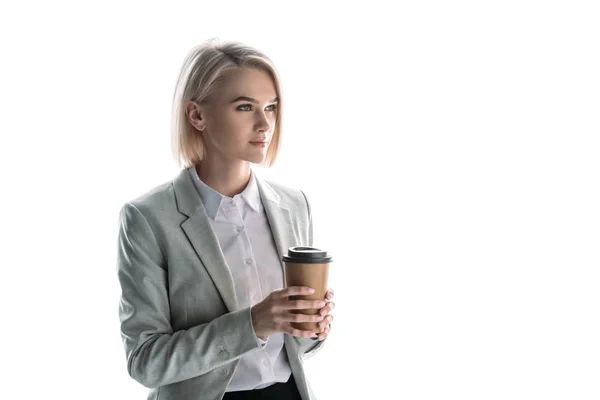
[290,196]
[159,197]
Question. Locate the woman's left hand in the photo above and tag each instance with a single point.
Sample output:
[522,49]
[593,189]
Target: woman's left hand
[326,312]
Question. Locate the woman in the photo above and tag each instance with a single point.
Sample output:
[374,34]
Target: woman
[204,313]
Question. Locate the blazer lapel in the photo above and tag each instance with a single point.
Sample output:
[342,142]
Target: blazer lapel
[279,219]
[202,237]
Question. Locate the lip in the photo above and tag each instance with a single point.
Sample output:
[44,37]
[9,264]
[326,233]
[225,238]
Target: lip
[259,143]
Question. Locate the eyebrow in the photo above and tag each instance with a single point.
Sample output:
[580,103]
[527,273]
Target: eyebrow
[251,100]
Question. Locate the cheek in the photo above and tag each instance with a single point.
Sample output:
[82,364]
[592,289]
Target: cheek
[272,118]
[232,123]
[224,129]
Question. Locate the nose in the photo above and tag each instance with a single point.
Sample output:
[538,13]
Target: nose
[262,123]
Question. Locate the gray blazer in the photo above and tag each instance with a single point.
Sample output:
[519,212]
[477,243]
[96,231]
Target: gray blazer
[181,326]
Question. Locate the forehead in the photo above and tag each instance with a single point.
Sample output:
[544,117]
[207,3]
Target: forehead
[249,82]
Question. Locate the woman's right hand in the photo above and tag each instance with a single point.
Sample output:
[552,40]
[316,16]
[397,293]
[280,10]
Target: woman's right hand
[272,315]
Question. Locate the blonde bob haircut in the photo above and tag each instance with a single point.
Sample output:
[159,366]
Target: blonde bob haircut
[204,68]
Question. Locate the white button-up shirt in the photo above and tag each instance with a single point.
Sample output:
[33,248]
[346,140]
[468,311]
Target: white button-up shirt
[245,237]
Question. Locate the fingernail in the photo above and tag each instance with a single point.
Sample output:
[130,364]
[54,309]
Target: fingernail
[311,290]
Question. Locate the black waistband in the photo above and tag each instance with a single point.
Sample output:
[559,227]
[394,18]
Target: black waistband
[277,391]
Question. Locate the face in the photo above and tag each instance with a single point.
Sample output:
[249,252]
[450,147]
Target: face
[241,110]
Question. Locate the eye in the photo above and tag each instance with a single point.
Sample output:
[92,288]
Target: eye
[243,107]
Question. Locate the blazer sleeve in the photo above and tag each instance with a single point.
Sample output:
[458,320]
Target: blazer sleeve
[313,347]
[156,355]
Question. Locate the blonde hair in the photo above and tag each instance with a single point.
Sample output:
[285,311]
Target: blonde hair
[206,66]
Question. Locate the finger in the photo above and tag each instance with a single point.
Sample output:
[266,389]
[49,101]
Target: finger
[326,321]
[293,291]
[303,304]
[291,317]
[329,295]
[327,309]
[300,333]
[324,334]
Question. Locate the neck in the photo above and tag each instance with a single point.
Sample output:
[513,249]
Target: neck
[226,178]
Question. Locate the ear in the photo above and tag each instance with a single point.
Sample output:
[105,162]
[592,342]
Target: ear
[194,115]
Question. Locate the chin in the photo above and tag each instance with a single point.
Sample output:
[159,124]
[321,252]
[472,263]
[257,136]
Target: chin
[255,159]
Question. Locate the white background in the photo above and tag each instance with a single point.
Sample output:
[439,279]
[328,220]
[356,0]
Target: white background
[450,151]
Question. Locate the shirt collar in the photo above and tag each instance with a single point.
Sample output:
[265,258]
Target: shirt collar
[212,199]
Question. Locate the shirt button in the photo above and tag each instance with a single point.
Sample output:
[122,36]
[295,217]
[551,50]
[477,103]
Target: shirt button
[266,363]
[239,229]
[224,354]
[248,261]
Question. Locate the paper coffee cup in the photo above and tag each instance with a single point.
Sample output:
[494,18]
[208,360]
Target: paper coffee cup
[307,266]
